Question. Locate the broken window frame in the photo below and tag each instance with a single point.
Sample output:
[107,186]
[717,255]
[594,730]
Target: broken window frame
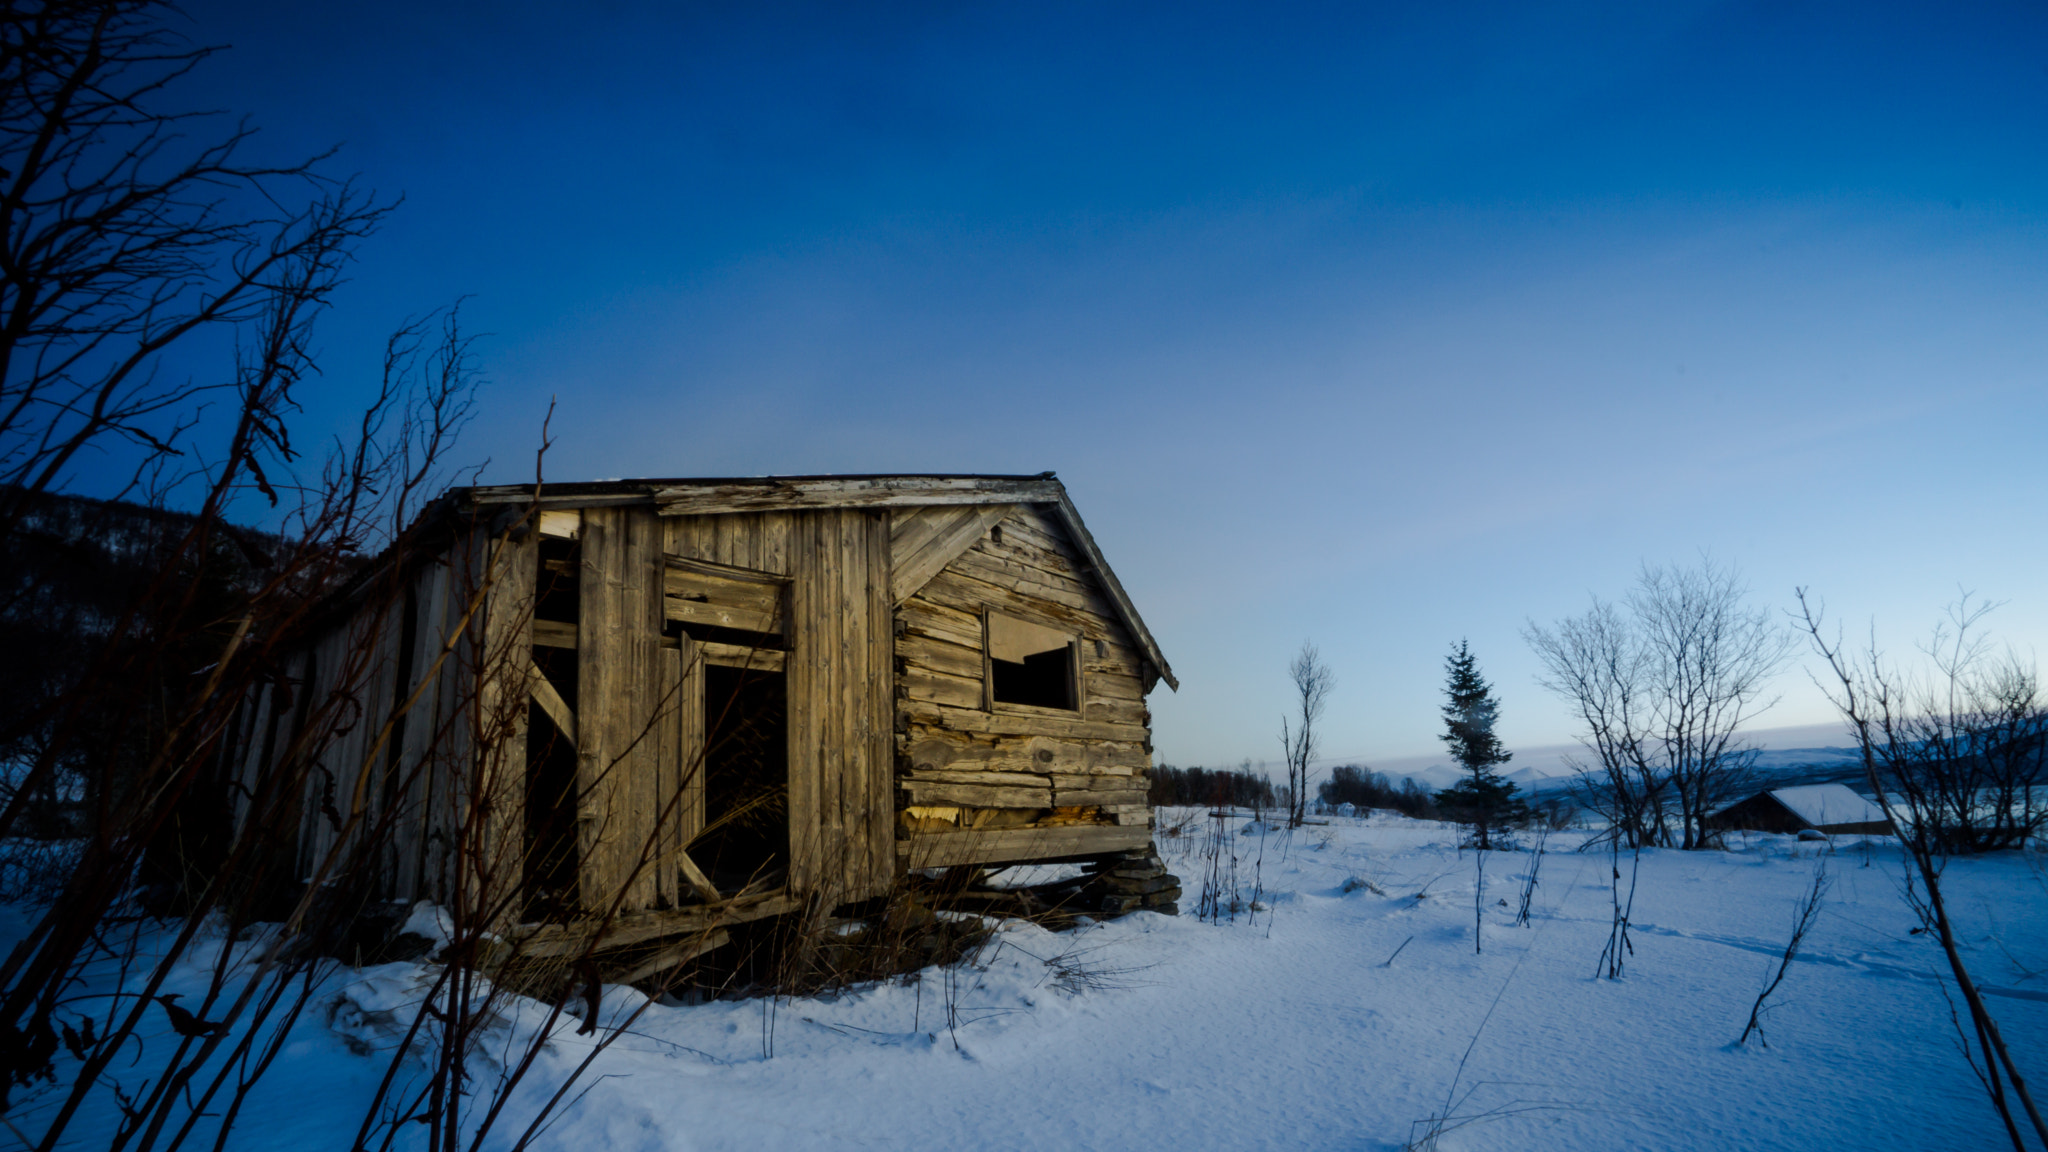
[1074,640]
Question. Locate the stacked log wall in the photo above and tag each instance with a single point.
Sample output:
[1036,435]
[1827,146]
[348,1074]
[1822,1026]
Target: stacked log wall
[982,782]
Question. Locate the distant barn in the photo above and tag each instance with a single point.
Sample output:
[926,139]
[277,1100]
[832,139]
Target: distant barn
[1832,809]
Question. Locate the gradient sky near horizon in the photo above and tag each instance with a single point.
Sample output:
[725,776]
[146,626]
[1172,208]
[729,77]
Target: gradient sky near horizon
[1378,326]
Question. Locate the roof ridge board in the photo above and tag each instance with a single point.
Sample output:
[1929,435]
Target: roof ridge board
[655,482]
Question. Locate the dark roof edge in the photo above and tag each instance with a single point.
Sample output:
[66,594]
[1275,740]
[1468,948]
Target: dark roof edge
[646,487]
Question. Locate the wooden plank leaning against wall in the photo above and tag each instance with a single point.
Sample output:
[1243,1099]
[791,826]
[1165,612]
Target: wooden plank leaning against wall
[986,784]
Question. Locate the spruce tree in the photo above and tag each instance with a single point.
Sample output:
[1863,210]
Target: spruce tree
[1484,799]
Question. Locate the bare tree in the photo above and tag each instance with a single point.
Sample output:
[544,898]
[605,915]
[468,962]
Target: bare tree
[127,227]
[1663,695]
[1710,658]
[1919,744]
[1312,681]
[1803,917]
[1594,662]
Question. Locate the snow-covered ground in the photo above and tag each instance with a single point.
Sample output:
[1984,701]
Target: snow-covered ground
[1293,1031]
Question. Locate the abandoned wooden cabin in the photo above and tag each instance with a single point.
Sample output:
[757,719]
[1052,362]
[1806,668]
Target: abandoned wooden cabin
[734,694]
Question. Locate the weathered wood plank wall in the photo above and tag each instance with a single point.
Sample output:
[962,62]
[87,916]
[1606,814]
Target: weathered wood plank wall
[620,702]
[840,683]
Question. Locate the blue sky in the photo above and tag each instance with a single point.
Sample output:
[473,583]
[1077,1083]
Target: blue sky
[1381,327]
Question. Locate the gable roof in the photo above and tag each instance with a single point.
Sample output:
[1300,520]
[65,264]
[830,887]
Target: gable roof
[1822,805]
[724,495]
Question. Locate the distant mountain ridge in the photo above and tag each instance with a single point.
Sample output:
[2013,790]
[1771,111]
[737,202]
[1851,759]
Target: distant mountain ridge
[1798,754]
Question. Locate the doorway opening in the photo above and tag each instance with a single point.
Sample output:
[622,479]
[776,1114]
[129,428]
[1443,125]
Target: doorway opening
[745,843]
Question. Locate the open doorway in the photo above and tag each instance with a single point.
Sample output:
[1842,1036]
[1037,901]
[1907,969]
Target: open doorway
[550,879]
[745,843]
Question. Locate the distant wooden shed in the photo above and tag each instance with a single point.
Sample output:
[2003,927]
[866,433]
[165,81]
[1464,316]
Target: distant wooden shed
[825,681]
[1834,809]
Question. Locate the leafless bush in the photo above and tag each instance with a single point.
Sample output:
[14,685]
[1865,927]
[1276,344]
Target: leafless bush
[1232,878]
[1529,878]
[1807,912]
[1312,681]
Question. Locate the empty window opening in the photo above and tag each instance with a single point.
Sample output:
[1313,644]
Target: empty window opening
[556,587]
[1031,664]
[746,780]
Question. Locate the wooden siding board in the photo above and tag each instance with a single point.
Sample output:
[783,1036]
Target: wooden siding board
[689,752]
[935,539]
[881,800]
[803,669]
[484,699]
[851,687]
[998,846]
[617,663]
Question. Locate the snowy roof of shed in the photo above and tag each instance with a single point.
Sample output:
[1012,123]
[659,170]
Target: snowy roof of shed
[1824,804]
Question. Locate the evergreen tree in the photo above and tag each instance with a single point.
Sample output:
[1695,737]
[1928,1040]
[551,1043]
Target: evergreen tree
[1483,800]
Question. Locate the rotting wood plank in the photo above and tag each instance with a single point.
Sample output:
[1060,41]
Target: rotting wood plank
[742,656]
[922,617]
[881,492]
[931,749]
[978,795]
[850,595]
[939,656]
[674,955]
[415,740]
[959,590]
[690,748]
[668,752]
[544,941]
[601,686]
[695,878]
[715,615]
[880,841]
[913,528]
[969,776]
[772,543]
[1109,685]
[1004,845]
[617,660]
[554,634]
[653,700]
[939,688]
[1019,723]
[483,678]
[1032,583]
[1116,780]
[1073,798]
[550,700]
[915,563]
[1117,711]
[803,667]
[563,524]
